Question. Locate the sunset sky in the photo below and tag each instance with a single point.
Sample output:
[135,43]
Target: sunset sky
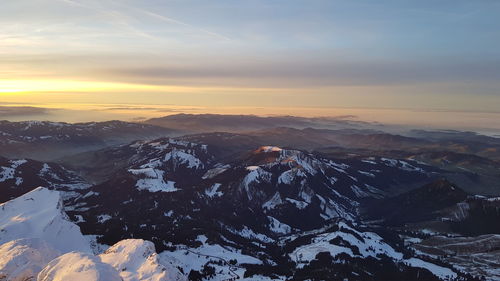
[235,56]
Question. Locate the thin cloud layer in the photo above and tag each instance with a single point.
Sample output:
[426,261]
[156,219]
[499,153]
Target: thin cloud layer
[9,111]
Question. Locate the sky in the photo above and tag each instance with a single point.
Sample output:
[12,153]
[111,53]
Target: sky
[270,57]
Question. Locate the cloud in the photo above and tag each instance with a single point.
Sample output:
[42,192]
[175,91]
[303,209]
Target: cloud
[174,21]
[154,109]
[125,16]
[6,111]
[268,71]
[133,108]
[309,73]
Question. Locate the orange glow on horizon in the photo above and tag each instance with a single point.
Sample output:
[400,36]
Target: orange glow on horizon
[60,85]
[30,86]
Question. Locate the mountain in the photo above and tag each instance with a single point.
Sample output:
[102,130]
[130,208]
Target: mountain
[454,135]
[137,259]
[442,221]
[476,174]
[46,141]
[19,176]
[339,244]
[203,123]
[342,252]
[314,136]
[478,255]
[417,205]
[265,186]
[219,206]
[463,142]
[38,239]
[477,215]
[248,215]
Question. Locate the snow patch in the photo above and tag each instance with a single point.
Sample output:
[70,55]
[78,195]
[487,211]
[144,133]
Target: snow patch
[278,227]
[179,157]
[213,192]
[273,202]
[153,181]
[103,218]
[268,149]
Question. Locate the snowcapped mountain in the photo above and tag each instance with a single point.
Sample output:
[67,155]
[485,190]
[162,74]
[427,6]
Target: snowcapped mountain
[245,216]
[275,191]
[136,259]
[38,240]
[221,206]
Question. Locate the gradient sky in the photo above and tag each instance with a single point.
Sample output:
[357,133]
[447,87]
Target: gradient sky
[365,54]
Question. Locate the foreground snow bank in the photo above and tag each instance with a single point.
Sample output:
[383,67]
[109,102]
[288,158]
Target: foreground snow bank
[76,266]
[136,260]
[35,231]
[23,259]
[128,260]
[39,214]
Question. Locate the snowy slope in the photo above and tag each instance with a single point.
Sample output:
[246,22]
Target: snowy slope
[39,214]
[213,255]
[23,259]
[136,259]
[345,240]
[18,176]
[77,266]
[439,271]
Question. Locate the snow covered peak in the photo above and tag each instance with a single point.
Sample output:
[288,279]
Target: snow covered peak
[158,165]
[180,157]
[136,259]
[76,266]
[268,148]
[271,156]
[39,214]
[23,259]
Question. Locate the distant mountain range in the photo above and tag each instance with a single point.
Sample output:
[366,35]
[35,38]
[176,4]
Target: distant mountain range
[51,140]
[204,123]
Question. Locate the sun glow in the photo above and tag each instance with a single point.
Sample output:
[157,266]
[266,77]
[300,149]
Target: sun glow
[30,86]
[73,86]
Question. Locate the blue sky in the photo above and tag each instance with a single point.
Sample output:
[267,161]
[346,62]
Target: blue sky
[402,54]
